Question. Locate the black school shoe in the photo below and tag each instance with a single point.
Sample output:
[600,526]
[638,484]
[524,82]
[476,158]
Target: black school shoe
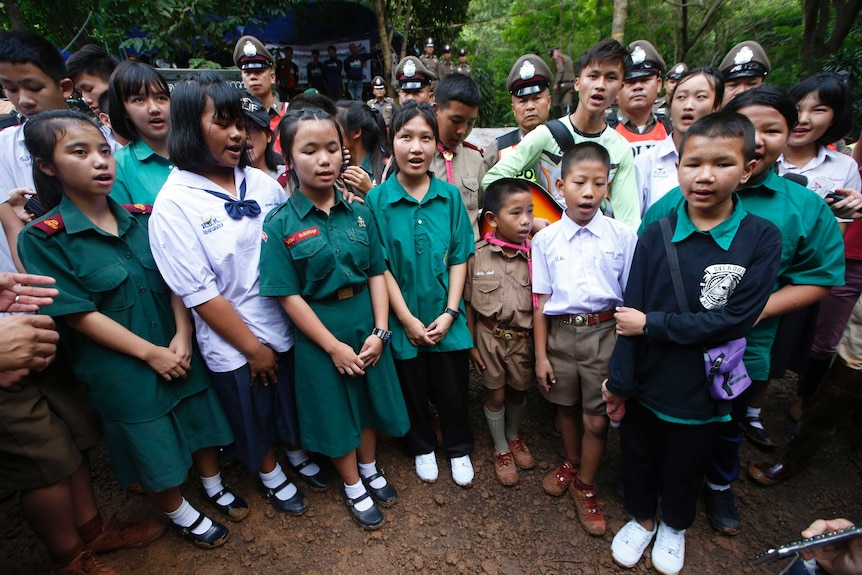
[386,495]
[370,519]
[296,505]
[722,512]
[320,481]
[216,536]
[757,435]
[235,511]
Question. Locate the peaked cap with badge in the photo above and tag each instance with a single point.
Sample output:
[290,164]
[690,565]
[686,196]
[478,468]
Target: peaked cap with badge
[412,74]
[745,60]
[249,53]
[529,75]
[676,72]
[645,59]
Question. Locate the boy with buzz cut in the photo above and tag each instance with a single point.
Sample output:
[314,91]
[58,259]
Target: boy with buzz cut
[600,75]
[580,269]
[728,262]
[90,69]
[500,317]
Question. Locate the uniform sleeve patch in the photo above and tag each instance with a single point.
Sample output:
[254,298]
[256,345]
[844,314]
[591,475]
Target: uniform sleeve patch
[292,239]
[138,208]
[50,225]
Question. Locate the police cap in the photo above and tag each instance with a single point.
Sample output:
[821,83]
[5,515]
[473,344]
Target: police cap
[529,75]
[250,54]
[412,74]
[646,61]
[676,72]
[745,60]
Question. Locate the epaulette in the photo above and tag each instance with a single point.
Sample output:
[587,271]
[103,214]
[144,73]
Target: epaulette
[475,147]
[138,208]
[50,225]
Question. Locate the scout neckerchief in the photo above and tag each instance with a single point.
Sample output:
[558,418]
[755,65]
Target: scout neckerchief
[238,209]
[447,155]
[492,239]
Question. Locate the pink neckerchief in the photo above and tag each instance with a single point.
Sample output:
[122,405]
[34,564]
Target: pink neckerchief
[492,239]
[447,155]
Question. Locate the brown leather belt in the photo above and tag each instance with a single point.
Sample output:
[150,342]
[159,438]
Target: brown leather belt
[505,334]
[586,319]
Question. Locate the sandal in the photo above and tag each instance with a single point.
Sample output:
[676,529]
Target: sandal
[216,536]
[235,511]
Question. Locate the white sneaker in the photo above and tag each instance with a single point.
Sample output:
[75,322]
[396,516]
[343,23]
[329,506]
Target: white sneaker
[630,542]
[462,471]
[426,467]
[668,553]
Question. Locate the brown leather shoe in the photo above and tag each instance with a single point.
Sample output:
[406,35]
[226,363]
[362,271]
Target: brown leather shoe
[557,481]
[767,473]
[118,534]
[589,514]
[523,458]
[86,563]
[505,468]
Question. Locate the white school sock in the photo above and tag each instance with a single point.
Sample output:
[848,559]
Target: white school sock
[514,416]
[497,426]
[275,478]
[213,485]
[354,491]
[366,470]
[185,515]
[716,487]
[299,456]
[753,416]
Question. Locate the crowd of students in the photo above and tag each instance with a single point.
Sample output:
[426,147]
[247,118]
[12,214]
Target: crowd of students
[243,276]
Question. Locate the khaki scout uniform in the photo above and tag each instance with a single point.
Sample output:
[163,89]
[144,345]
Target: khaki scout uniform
[467,166]
[498,289]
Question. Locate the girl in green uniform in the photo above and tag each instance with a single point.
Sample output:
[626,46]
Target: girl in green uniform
[133,344]
[323,259]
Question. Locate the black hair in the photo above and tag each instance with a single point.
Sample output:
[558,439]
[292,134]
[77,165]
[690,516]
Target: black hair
[495,194]
[104,103]
[606,51]
[406,112]
[354,115]
[315,52]
[314,100]
[331,47]
[91,60]
[270,157]
[131,78]
[23,47]
[186,139]
[769,96]
[459,88]
[723,124]
[584,152]
[289,126]
[41,133]
[833,91]
[713,78]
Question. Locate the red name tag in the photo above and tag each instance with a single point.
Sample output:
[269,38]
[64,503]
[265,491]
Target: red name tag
[292,239]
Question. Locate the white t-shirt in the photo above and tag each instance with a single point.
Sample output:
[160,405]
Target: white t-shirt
[203,253]
[16,163]
[655,172]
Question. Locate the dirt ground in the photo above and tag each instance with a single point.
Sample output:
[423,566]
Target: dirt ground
[488,529]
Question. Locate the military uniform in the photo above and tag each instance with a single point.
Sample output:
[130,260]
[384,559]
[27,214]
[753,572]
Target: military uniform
[464,169]
[327,259]
[564,82]
[151,426]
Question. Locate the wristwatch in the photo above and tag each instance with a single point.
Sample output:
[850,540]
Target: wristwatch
[383,334]
[453,312]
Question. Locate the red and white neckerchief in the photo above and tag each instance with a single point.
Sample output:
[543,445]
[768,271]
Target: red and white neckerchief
[492,239]
[447,155]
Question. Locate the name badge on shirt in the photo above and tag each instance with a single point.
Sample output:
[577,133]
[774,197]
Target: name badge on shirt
[293,239]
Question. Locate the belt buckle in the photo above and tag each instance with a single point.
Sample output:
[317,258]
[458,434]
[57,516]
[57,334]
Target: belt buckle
[344,293]
[581,319]
[507,334]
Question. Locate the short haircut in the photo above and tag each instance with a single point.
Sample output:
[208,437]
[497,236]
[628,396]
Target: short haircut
[769,96]
[130,78]
[289,126]
[833,90]
[723,124]
[459,88]
[584,152]
[606,51]
[41,133]
[713,78]
[355,115]
[315,52]
[104,103]
[91,60]
[406,112]
[313,100]
[186,146]
[496,194]
[331,47]
[22,47]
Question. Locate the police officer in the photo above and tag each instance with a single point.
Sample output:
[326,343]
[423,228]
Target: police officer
[463,67]
[429,59]
[635,119]
[414,80]
[564,82]
[743,68]
[445,66]
[529,84]
[258,76]
[384,105]
[671,79]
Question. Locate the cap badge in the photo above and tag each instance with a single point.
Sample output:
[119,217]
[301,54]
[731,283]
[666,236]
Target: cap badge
[249,49]
[527,70]
[409,68]
[744,56]
[638,55]
[679,69]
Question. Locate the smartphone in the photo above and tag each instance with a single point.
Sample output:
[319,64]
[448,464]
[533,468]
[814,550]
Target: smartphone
[794,547]
[34,206]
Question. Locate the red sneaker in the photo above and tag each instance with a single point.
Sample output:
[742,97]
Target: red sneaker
[557,481]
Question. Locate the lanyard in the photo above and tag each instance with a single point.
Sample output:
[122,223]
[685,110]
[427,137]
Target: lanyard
[492,239]
[238,209]
[447,155]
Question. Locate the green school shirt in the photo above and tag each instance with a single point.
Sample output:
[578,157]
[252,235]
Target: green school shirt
[422,239]
[812,251]
[117,276]
[140,174]
[308,252]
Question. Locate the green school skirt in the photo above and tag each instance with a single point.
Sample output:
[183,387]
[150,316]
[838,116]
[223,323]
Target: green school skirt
[333,408]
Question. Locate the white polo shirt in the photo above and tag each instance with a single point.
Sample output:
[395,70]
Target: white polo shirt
[203,253]
[655,172]
[16,163]
[584,269]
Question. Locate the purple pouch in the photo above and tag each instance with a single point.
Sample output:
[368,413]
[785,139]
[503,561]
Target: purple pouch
[726,375]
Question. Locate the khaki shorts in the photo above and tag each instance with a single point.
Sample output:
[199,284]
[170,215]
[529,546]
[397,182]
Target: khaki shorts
[579,357]
[506,362]
[44,428]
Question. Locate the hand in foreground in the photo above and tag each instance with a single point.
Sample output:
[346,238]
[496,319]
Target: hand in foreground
[346,360]
[545,374]
[263,363]
[416,332]
[478,364]
[27,342]
[630,322]
[166,363]
[440,327]
[842,558]
[849,207]
[371,351]
[17,294]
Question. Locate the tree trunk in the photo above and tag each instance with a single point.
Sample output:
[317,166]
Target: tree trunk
[816,16]
[618,31]
[385,43]
[16,19]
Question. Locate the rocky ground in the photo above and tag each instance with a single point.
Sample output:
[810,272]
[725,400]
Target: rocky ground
[488,529]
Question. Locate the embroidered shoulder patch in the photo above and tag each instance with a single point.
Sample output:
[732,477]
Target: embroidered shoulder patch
[293,239]
[50,225]
[138,208]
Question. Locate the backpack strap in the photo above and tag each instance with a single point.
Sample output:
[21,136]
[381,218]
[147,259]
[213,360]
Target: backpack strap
[673,262]
[561,134]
